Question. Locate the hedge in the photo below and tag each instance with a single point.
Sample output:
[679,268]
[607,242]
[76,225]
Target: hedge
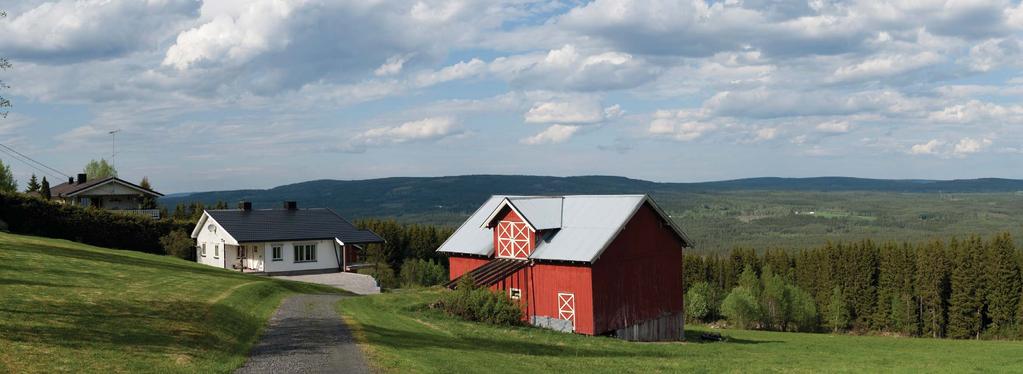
[34,216]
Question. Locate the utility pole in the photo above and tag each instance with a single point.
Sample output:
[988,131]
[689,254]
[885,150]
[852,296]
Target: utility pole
[113,147]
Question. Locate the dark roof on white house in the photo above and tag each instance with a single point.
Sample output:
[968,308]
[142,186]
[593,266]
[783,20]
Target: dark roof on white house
[267,225]
[70,189]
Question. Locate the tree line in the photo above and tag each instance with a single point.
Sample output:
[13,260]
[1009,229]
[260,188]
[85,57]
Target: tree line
[960,288]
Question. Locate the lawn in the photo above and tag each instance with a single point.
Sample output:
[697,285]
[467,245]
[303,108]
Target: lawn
[70,307]
[400,336]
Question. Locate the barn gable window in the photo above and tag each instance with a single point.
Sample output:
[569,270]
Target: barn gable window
[305,253]
[513,239]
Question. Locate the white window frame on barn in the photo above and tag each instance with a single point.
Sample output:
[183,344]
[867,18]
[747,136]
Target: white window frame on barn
[514,293]
[305,252]
[277,252]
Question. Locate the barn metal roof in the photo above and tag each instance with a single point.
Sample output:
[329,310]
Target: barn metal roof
[586,225]
[540,212]
[268,225]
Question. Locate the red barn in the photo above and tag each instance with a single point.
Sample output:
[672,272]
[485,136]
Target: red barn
[590,264]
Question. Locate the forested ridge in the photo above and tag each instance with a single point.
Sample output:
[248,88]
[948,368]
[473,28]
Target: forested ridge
[958,288]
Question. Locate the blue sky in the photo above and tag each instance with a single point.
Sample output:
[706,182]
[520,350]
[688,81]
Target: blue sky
[252,94]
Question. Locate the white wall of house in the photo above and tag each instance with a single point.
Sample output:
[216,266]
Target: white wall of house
[325,256]
[215,240]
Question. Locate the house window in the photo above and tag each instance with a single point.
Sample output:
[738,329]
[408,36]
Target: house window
[202,251]
[241,251]
[305,253]
[514,293]
[278,253]
[216,251]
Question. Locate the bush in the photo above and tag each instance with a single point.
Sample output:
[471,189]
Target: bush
[418,272]
[380,271]
[39,217]
[480,304]
[741,308]
[702,302]
[178,244]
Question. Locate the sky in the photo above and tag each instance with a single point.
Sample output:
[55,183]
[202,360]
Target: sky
[212,95]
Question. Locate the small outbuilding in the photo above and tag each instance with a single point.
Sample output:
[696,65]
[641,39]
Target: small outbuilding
[590,264]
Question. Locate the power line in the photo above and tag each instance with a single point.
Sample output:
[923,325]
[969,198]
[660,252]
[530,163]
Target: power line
[33,160]
[44,171]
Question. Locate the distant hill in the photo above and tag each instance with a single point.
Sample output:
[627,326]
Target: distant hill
[457,196]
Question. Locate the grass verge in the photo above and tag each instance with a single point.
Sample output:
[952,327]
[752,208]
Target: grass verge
[399,335]
[70,307]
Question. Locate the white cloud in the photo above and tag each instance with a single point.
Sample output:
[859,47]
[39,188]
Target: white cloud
[930,148]
[995,53]
[427,129]
[73,31]
[392,66]
[678,125]
[572,111]
[232,36]
[886,66]
[766,133]
[969,145]
[834,127]
[552,135]
[461,70]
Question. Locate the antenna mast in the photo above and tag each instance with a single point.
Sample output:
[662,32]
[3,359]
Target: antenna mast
[113,148]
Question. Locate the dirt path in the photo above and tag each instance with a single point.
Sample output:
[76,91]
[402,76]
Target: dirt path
[306,335]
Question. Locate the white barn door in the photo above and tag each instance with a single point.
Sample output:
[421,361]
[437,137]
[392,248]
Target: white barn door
[566,307]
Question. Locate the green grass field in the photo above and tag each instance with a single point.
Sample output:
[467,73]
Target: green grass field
[70,307]
[399,335]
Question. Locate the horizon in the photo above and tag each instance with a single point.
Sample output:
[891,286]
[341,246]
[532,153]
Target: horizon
[207,95]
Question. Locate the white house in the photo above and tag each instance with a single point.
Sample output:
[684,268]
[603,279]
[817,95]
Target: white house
[110,193]
[279,241]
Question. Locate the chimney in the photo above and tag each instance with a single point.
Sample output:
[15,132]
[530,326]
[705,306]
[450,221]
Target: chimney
[70,180]
[81,178]
[245,205]
[291,205]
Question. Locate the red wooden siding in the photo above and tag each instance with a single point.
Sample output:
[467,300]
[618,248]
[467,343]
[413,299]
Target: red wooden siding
[460,265]
[639,276]
[512,236]
[550,279]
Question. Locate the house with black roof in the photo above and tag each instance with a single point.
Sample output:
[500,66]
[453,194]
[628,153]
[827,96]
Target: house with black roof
[286,241]
[111,193]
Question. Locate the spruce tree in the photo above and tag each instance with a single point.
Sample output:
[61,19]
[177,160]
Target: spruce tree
[1003,282]
[966,303]
[33,184]
[44,189]
[931,284]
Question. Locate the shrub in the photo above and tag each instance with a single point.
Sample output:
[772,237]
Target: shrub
[740,307]
[380,271]
[803,310]
[702,302]
[419,272]
[40,217]
[178,244]
[480,304]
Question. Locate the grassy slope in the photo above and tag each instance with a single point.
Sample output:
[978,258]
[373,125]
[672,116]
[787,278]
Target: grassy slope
[400,337]
[71,307]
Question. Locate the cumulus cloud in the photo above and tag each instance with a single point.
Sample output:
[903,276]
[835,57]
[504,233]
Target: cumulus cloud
[964,147]
[392,66]
[833,127]
[75,31]
[967,146]
[570,68]
[427,129]
[929,148]
[678,125]
[552,135]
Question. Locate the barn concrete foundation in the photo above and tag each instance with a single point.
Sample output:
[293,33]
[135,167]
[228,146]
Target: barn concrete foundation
[667,328]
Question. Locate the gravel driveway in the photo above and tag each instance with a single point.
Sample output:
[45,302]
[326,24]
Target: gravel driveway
[306,335]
